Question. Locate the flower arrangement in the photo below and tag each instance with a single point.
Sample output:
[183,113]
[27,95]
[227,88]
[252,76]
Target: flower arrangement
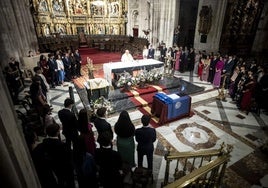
[154,75]
[143,76]
[125,80]
[102,102]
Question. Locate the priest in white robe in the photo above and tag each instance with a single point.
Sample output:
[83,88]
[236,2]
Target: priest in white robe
[127,57]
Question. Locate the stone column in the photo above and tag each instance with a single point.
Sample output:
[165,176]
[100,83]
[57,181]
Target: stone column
[262,33]
[169,11]
[17,29]
[17,169]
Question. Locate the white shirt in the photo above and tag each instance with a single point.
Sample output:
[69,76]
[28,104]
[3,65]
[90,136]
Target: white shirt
[157,54]
[60,64]
[145,53]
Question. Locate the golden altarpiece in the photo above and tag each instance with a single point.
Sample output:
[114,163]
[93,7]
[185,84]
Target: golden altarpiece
[71,17]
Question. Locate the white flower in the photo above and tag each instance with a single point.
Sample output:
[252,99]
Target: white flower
[103,102]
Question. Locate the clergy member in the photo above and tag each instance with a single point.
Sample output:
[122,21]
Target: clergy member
[127,57]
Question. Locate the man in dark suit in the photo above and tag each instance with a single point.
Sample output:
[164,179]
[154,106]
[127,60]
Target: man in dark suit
[191,59]
[109,162]
[228,70]
[151,52]
[53,161]
[145,136]
[78,61]
[67,67]
[101,124]
[163,53]
[69,123]
[53,69]
[212,68]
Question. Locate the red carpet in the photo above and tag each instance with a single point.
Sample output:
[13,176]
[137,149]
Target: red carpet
[143,99]
[98,56]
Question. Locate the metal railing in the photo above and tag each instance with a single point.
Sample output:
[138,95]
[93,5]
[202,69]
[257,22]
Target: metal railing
[198,169]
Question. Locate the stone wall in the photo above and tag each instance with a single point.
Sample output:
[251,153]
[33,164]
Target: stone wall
[213,37]
[17,30]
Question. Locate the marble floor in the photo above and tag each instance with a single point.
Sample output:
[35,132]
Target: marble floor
[215,121]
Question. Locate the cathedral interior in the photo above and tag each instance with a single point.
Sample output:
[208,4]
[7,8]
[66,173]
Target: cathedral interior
[230,27]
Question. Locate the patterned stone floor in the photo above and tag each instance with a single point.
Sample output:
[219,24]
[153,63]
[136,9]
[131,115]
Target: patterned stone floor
[214,122]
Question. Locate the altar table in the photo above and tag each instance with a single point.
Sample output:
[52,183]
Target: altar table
[119,67]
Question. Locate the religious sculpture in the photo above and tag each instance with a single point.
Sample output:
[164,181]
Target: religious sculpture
[205,20]
[97,10]
[68,29]
[135,14]
[146,32]
[57,6]
[79,9]
[46,30]
[61,29]
[43,7]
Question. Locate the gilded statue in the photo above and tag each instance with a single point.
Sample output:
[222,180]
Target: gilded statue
[43,7]
[57,6]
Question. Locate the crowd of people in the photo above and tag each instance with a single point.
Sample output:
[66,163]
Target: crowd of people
[245,80]
[61,66]
[88,161]
[51,71]
[95,162]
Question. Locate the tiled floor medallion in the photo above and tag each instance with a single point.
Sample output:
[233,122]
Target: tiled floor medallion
[196,136]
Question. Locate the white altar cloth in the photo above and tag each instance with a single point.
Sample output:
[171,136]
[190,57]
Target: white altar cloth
[118,67]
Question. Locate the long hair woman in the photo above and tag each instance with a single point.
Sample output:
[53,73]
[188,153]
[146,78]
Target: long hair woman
[125,131]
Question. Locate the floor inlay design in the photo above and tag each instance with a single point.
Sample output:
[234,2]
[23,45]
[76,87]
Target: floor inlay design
[218,125]
[196,136]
